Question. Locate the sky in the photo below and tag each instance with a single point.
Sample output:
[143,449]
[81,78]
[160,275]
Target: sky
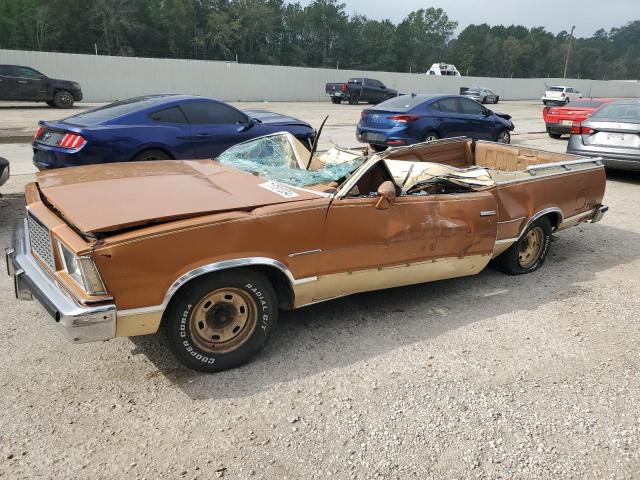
[587,15]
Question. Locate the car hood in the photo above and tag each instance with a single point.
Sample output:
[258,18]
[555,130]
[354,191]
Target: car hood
[98,199]
[271,118]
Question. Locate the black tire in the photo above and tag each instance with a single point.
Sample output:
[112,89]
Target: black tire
[185,332]
[484,100]
[496,100]
[150,155]
[430,136]
[555,136]
[63,99]
[503,137]
[377,148]
[354,98]
[50,103]
[515,261]
[336,100]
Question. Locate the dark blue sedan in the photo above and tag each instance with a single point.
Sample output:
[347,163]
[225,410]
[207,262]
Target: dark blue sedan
[157,127]
[409,119]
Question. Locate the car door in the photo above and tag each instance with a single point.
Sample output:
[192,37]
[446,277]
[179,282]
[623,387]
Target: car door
[418,238]
[216,126]
[379,91]
[31,85]
[448,117]
[174,121]
[478,123]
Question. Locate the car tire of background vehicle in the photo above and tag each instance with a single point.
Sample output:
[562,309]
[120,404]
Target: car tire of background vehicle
[377,148]
[63,99]
[545,103]
[430,136]
[150,155]
[336,100]
[504,137]
[354,98]
[222,320]
[496,100]
[50,103]
[529,252]
[555,136]
[484,100]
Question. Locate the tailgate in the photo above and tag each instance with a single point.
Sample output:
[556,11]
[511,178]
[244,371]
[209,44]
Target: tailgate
[333,87]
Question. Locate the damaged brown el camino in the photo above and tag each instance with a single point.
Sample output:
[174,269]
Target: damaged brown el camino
[211,250]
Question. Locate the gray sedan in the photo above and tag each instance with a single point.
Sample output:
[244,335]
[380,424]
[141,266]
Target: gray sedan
[611,132]
[482,95]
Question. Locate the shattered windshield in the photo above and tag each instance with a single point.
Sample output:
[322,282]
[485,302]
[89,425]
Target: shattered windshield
[282,158]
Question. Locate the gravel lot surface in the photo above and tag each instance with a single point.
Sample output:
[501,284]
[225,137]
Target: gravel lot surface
[486,377]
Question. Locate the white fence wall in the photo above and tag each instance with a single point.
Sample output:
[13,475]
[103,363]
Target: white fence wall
[105,78]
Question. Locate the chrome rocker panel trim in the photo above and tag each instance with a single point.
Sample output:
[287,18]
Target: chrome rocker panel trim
[77,323]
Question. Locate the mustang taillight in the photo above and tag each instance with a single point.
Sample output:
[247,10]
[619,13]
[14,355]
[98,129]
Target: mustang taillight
[71,140]
[404,118]
[38,133]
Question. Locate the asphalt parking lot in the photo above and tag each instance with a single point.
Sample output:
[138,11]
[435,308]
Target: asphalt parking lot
[487,377]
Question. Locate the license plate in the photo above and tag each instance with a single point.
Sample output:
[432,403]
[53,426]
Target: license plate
[566,122]
[374,137]
[618,137]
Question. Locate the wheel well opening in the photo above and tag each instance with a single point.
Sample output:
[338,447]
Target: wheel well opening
[276,277]
[160,149]
[554,218]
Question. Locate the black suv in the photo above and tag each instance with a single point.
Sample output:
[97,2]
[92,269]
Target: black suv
[19,83]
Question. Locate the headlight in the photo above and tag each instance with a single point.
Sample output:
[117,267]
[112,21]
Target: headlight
[83,271]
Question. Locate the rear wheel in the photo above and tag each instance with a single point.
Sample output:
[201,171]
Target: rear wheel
[529,252]
[63,99]
[504,137]
[221,321]
[336,100]
[151,154]
[553,135]
[496,99]
[377,148]
[430,137]
[354,98]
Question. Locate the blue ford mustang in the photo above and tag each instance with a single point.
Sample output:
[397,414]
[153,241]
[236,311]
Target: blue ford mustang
[156,127]
[409,119]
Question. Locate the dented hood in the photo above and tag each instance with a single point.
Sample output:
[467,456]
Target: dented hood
[110,197]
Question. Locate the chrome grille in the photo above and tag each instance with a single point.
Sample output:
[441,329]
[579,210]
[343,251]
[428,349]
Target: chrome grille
[40,239]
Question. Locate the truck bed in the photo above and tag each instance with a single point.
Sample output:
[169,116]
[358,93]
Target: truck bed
[526,182]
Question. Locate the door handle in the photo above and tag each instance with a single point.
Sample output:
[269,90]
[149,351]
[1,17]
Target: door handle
[203,135]
[22,81]
[487,213]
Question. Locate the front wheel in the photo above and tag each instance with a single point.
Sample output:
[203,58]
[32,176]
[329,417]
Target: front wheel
[63,99]
[529,252]
[221,321]
[496,100]
[504,137]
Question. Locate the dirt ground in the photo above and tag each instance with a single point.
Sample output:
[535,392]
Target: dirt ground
[485,377]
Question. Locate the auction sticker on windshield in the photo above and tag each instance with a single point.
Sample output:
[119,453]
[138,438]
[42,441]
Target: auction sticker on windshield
[278,188]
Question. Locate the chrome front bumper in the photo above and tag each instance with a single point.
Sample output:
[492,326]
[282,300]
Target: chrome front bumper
[77,323]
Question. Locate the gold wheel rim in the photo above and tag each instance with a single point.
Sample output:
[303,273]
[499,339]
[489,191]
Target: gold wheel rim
[531,247]
[223,320]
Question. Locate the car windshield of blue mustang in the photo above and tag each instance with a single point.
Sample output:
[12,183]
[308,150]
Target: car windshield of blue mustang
[283,158]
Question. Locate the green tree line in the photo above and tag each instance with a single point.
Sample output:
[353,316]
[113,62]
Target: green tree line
[320,34]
